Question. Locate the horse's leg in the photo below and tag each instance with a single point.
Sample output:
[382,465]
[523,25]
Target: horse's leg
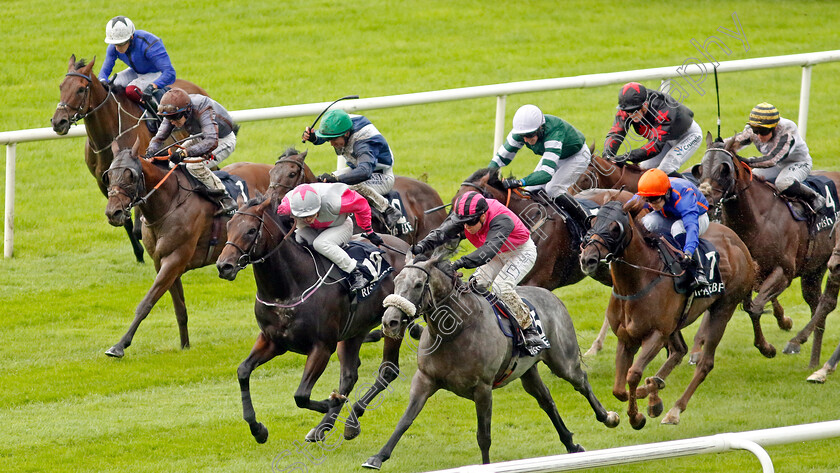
[699,339]
[598,344]
[348,357]
[170,269]
[535,386]
[389,370]
[483,398]
[754,310]
[137,229]
[770,288]
[778,310]
[136,247]
[316,362]
[718,318]
[623,359]
[422,387]
[811,290]
[650,348]
[827,303]
[820,375]
[264,350]
[177,293]
[653,384]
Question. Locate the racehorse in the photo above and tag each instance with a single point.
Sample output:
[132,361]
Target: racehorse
[179,227]
[603,173]
[646,312]
[291,170]
[464,351]
[298,311]
[783,247]
[828,302]
[109,115]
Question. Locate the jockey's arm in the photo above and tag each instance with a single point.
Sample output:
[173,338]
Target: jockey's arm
[361,173]
[160,58]
[108,63]
[500,229]
[616,135]
[507,151]
[545,171]
[781,150]
[353,203]
[210,130]
[448,230]
[162,134]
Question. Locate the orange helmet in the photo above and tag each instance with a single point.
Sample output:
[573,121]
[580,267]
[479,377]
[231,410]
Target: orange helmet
[654,182]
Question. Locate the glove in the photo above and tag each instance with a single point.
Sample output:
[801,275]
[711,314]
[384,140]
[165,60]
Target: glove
[621,159]
[374,238]
[148,92]
[511,183]
[105,83]
[327,177]
[417,250]
[177,156]
[308,135]
[458,264]
[686,261]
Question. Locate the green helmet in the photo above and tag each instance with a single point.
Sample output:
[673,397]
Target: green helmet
[336,123]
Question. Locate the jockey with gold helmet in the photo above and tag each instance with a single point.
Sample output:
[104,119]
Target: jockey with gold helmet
[678,208]
[785,157]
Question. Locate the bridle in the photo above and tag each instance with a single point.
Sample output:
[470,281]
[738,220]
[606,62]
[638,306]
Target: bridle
[131,191]
[731,192]
[246,255]
[427,289]
[299,164]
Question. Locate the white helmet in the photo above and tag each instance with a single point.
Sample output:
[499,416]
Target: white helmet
[304,201]
[118,30]
[527,119]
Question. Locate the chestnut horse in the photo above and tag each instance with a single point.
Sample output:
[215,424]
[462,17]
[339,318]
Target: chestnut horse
[291,170]
[109,115]
[178,225]
[782,246]
[294,317]
[603,173]
[646,312]
[828,302]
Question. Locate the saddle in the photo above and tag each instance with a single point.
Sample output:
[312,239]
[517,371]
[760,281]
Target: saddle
[670,253]
[510,326]
[370,262]
[235,186]
[823,219]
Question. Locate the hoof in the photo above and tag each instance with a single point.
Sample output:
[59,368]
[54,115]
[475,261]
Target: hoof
[352,431]
[786,323]
[639,422]
[612,419]
[769,351]
[673,417]
[792,348]
[818,377]
[577,449]
[115,352]
[657,381]
[655,410]
[694,358]
[317,434]
[593,350]
[259,432]
[373,337]
[373,463]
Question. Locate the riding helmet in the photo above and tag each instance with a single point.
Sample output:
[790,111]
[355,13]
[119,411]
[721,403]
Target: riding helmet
[118,30]
[173,102]
[764,115]
[304,201]
[654,182]
[528,119]
[469,207]
[336,123]
[632,97]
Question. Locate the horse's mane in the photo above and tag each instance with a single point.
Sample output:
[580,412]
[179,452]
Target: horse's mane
[493,175]
[290,151]
[634,208]
[80,63]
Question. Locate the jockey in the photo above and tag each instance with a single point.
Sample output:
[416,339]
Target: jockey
[504,251]
[368,158]
[669,125]
[785,156]
[678,207]
[564,156]
[150,70]
[320,211]
[197,114]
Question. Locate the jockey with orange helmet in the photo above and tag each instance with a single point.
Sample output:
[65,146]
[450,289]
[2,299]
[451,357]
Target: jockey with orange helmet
[320,211]
[669,125]
[504,251]
[198,114]
[678,208]
[785,158]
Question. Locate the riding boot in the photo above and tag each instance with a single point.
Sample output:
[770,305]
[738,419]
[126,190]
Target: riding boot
[392,216]
[227,204]
[357,280]
[572,206]
[700,279]
[813,199]
[532,337]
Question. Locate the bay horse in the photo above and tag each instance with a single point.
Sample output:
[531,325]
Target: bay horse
[645,312]
[179,227]
[828,302]
[109,115]
[782,246]
[463,350]
[603,173]
[291,170]
[298,311]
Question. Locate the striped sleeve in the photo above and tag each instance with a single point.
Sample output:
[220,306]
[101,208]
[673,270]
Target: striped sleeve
[507,151]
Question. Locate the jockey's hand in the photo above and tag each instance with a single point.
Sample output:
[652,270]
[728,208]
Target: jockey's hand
[177,156]
[308,135]
[685,260]
[458,264]
[417,250]
[105,83]
[511,183]
[148,91]
[621,159]
[327,177]
[374,238]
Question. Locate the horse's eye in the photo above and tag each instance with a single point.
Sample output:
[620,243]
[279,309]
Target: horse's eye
[292,175]
[81,90]
[418,285]
[251,231]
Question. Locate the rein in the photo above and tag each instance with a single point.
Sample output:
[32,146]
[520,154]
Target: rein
[427,286]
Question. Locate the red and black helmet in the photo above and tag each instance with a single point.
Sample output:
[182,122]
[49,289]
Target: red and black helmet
[632,96]
[469,207]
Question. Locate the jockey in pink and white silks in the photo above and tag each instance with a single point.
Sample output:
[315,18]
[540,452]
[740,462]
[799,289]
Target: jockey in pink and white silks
[504,251]
[320,211]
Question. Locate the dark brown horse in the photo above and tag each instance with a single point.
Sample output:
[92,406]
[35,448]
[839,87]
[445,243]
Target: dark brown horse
[645,312]
[603,173]
[828,302]
[291,170]
[109,115]
[782,246]
[299,311]
[179,227]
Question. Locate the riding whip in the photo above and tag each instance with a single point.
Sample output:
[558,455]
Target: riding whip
[348,97]
[717,92]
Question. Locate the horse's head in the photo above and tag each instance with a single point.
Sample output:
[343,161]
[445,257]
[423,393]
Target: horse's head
[252,233]
[125,183]
[718,171]
[417,290]
[609,235]
[486,181]
[75,99]
[289,171]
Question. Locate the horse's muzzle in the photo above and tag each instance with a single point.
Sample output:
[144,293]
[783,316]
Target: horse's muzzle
[227,270]
[392,322]
[60,126]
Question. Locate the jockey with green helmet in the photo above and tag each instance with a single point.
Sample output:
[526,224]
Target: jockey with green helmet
[368,161]
[565,156]
[785,157]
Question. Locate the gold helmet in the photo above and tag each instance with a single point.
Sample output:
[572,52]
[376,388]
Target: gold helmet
[764,115]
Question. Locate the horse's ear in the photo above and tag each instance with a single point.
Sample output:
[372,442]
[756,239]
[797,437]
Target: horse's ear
[92,61]
[135,148]
[72,62]
[303,155]
[708,139]
[592,147]
[88,67]
[445,251]
[697,171]
[115,147]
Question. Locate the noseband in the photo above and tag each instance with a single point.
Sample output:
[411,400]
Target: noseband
[246,255]
[299,164]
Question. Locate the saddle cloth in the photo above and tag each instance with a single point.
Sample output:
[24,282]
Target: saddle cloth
[827,216]
[709,258]
[510,327]
[234,185]
[370,261]
[402,227]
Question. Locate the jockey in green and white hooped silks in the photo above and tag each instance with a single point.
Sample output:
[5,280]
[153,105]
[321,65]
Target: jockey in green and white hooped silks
[564,156]
[368,161]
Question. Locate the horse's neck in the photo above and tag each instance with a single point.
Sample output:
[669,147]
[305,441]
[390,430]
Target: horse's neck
[637,253]
[454,313]
[160,201]
[282,276]
[119,115]
[749,210]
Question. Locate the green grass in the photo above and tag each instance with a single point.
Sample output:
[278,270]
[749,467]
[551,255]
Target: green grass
[72,287]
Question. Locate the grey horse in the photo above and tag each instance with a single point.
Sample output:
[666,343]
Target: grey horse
[463,351]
